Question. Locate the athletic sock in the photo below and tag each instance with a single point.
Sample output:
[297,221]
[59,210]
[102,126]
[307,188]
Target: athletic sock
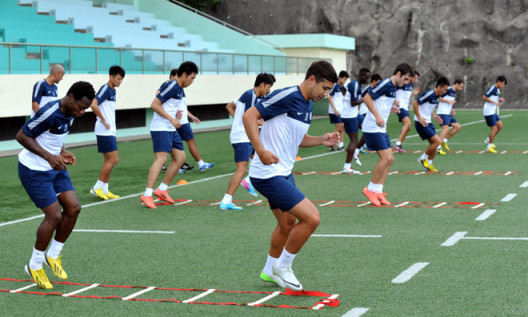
[55,249]
[227,199]
[487,140]
[430,162]
[341,144]
[200,163]
[356,152]
[98,185]
[105,188]
[398,143]
[163,187]
[490,145]
[445,140]
[424,157]
[439,147]
[269,263]
[347,165]
[148,192]
[285,260]
[371,187]
[35,263]
[380,188]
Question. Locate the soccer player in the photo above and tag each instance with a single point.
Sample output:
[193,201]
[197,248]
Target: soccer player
[335,105]
[423,110]
[374,80]
[45,90]
[492,101]
[239,140]
[447,113]
[379,101]
[43,173]
[165,138]
[287,114]
[349,115]
[403,98]
[104,106]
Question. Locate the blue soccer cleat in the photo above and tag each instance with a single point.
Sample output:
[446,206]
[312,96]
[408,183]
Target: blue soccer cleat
[206,166]
[249,187]
[229,206]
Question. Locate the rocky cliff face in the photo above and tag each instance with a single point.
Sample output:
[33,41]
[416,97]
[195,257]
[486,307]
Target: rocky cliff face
[475,40]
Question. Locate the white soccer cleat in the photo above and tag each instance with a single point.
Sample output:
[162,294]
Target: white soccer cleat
[350,171]
[356,159]
[287,277]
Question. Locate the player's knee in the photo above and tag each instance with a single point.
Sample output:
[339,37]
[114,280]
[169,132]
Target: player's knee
[54,218]
[313,221]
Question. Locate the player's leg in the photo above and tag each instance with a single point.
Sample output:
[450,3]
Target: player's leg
[340,128]
[107,145]
[160,158]
[351,129]
[403,117]
[236,179]
[178,158]
[379,142]
[110,160]
[456,127]
[443,133]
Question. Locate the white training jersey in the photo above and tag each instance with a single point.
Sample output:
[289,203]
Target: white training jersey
[427,102]
[492,93]
[106,97]
[383,95]
[43,93]
[403,95]
[445,107]
[238,132]
[353,94]
[363,109]
[337,99]
[172,96]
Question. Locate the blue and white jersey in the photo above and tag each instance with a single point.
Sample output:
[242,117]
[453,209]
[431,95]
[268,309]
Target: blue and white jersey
[43,93]
[492,93]
[445,107]
[287,117]
[353,94]
[337,98]
[106,98]
[49,127]
[363,109]
[172,97]
[403,95]
[383,95]
[427,102]
[238,132]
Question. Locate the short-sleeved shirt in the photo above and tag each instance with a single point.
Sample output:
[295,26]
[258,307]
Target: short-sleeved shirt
[427,102]
[445,107]
[49,127]
[171,96]
[287,116]
[238,132]
[337,98]
[492,93]
[363,109]
[106,98]
[43,93]
[403,95]
[383,95]
[353,94]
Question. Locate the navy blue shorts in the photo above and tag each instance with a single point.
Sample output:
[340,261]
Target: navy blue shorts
[403,114]
[351,125]
[335,119]
[185,132]
[491,120]
[377,141]
[280,191]
[43,187]
[360,119]
[243,151]
[425,132]
[447,119]
[106,143]
[165,141]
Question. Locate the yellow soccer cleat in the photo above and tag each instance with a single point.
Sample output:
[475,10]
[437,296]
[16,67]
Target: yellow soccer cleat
[491,150]
[56,266]
[39,276]
[99,193]
[110,195]
[429,167]
[444,144]
[441,152]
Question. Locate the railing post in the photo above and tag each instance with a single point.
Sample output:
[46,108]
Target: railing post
[96,60]
[10,70]
[217,64]
[41,59]
[247,64]
[70,59]
[121,57]
[143,61]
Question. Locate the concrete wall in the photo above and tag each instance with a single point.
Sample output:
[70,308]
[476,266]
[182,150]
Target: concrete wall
[338,57]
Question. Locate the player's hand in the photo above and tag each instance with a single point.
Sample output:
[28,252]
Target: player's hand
[396,103]
[416,91]
[438,119]
[179,114]
[268,158]
[56,162]
[176,123]
[423,122]
[380,122]
[501,100]
[395,109]
[196,120]
[107,126]
[453,112]
[68,157]
[452,101]
[330,139]
[337,113]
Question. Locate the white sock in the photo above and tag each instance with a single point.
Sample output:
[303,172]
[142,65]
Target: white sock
[200,163]
[269,263]
[105,188]
[398,143]
[163,187]
[490,145]
[379,189]
[35,263]
[430,162]
[347,165]
[371,187]
[341,144]
[55,249]
[285,260]
[424,157]
[148,192]
[356,152]
[445,140]
[227,199]
[487,140]
[98,185]
[439,147]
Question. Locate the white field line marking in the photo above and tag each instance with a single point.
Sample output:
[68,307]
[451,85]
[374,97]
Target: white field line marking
[524,185]
[192,299]
[420,173]
[450,173]
[478,206]
[454,239]
[440,205]
[139,293]
[254,203]
[485,215]
[122,231]
[328,203]
[458,152]
[509,197]
[392,173]
[402,204]
[319,306]
[356,312]
[507,173]
[362,205]
[23,288]
[20,220]
[214,204]
[262,300]
[496,238]
[410,272]
[347,236]
[80,290]
[183,202]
